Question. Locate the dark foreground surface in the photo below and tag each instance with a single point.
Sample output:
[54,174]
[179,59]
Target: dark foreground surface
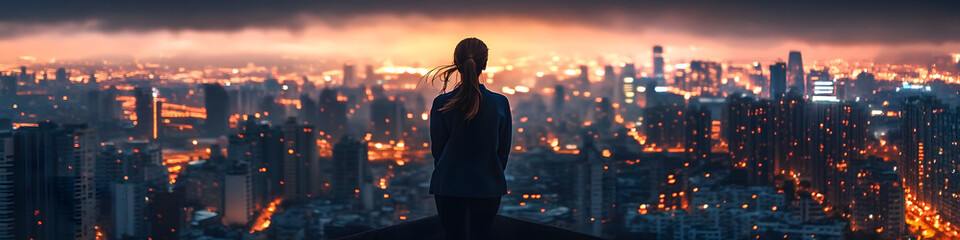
[504,227]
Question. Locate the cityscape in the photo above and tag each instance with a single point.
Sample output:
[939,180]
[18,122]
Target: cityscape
[661,140]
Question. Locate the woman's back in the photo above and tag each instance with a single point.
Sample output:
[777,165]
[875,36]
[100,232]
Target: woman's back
[470,156]
[470,131]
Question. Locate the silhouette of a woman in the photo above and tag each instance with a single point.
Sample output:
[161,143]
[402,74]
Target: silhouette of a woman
[470,130]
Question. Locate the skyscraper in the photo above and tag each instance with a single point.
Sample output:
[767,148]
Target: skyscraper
[62,76]
[583,81]
[54,178]
[778,80]
[795,72]
[658,64]
[349,75]
[789,117]
[876,198]
[167,212]
[349,169]
[273,111]
[237,200]
[559,99]
[836,134]
[371,76]
[8,86]
[308,110]
[8,194]
[750,133]
[866,84]
[627,90]
[300,160]
[697,132]
[148,112]
[386,119]
[332,122]
[704,77]
[609,84]
[928,156]
[215,103]
[663,121]
[261,147]
[595,189]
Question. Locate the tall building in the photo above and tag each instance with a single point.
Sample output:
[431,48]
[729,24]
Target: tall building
[928,154]
[349,75]
[215,103]
[332,122]
[795,72]
[308,110]
[559,99]
[387,119]
[662,122]
[627,92]
[28,79]
[8,193]
[595,189]
[147,112]
[54,182]
[62,76]
[349,169]
[822,87]
[371,76]
[583,81]
[237,199]
[167,212]
[609,83]
[300,161]
[704,77]
[273,111]
[697,132]
[308,88]
[778,80]
[604,116]
[129,209]
[866,84]
[658,64]
[750,133]
[876,198]
[789,118]
[836,134]
[109,107]
[8,86]
[260,147]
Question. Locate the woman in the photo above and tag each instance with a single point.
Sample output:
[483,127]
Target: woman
[470,128]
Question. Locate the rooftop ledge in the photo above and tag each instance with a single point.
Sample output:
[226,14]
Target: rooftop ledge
[429,228]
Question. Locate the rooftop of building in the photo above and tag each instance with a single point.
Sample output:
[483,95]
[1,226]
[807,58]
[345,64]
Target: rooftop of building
[429,228]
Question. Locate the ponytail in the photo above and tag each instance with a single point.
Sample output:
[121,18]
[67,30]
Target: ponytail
[470,57]
[467,100]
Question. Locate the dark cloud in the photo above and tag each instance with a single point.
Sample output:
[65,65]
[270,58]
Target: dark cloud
[826,22]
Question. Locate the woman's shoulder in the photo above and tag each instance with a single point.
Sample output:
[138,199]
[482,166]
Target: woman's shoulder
[442,98]
[499,97]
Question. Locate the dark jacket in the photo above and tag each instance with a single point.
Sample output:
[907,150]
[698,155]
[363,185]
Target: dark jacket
[469,157]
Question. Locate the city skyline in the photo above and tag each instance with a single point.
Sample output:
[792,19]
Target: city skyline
[226,120]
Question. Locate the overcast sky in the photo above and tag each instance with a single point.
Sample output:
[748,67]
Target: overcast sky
[427,30]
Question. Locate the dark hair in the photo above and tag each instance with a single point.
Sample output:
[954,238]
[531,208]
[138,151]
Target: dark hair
[469,59]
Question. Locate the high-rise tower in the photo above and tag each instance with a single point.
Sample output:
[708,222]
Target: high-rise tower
[658,64]
[215,99]
[778,79]
[795,72]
